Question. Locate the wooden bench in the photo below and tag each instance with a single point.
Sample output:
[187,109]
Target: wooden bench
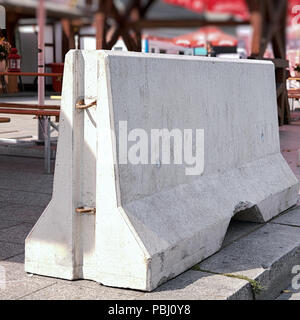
[40,111]
[30,109]
[294,94]
[4,120]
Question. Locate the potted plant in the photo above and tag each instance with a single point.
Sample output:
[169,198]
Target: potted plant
[297,70]
[5,48]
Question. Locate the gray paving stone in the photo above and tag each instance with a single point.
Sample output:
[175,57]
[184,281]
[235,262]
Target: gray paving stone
[21,164]
[16,266]
[15,234]
[266,255]
[20,284]
[290,218]
[61,291]
[26,181]
[17,282]
[197,285]
[8,250]
[31,151]
[15,291]
[20,212]
[27,198]
[4,224]
[19,258]
[238,229]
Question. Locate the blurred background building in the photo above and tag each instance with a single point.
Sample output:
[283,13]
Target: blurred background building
[230,28]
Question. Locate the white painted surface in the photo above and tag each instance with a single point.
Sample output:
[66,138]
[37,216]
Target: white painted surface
[2,18]
[29,48]
[154,222]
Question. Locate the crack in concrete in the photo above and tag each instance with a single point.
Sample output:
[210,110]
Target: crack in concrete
[35,291]
[285,224]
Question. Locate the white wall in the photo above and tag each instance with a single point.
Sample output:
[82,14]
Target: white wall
[29,48]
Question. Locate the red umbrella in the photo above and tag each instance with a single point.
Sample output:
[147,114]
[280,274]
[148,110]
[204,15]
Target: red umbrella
[195,5]
[294,12]
[237,8]
[212,35]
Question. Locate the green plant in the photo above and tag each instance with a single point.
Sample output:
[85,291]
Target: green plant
[5,48]
[297,67]
[255,285]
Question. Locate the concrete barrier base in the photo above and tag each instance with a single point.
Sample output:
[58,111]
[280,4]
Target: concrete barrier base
[153,221]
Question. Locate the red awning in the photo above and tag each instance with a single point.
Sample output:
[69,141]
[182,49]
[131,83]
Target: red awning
[294,12]
[236,8]
[212,35]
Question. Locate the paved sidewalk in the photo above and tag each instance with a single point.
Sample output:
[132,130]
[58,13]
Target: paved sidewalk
[251,251]
[254,263]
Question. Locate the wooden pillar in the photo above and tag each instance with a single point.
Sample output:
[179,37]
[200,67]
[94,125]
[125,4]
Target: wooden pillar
[125,24]
[268,20]
[68,41]
[256,23]
[135,17]
[11,24]
[100,22]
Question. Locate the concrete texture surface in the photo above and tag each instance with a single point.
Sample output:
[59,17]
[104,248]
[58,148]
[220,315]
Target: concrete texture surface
[291,218]
[266,255]
[238,229]
[16,218]
[8,250]
[154,220]
[197,285]
[193,284]
[242,256]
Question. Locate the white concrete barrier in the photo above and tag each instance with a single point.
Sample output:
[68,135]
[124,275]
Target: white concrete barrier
[154,221]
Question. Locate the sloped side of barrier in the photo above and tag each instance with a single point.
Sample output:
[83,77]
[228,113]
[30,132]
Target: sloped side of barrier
[155,220]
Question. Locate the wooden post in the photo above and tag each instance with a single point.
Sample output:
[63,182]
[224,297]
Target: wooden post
[256,23]
[41,15]
[132,11]
[268,19]
[100,21]
[68,36]
[135,17]
[11,23]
